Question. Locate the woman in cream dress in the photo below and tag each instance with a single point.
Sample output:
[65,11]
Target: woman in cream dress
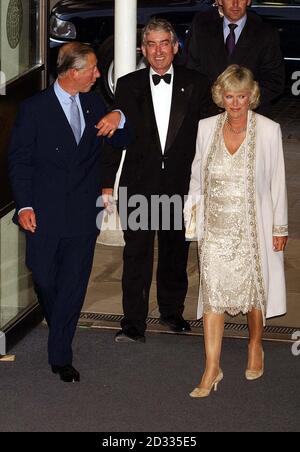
[237,210]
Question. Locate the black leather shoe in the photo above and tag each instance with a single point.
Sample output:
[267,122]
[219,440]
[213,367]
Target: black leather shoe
[67,373]
[128,336]
[176,324]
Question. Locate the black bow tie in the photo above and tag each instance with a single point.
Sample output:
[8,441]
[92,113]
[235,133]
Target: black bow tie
[157,78]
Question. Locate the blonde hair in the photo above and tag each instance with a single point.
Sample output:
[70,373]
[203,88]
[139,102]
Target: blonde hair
[236,78]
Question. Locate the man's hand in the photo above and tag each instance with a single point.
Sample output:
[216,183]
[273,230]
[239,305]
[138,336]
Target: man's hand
[107,196]
[27,220]
[279,243]
[109,124]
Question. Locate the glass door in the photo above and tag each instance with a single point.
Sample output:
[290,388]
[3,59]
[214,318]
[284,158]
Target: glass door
[23,56]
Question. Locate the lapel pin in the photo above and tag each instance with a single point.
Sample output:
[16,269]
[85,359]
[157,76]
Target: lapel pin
[88,112]
[182,90]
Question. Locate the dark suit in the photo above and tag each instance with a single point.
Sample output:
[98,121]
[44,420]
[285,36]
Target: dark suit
[258,49]
[60,180]
[143,174]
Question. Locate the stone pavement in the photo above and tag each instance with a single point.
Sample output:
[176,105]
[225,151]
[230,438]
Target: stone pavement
[104,293]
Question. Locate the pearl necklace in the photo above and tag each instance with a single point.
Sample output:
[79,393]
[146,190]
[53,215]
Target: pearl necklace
[236,132]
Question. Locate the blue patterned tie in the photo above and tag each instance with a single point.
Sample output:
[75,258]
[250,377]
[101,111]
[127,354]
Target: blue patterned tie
[230,41]
[75,122]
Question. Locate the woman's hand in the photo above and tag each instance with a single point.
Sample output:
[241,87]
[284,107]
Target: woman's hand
[279,243]
[108,200]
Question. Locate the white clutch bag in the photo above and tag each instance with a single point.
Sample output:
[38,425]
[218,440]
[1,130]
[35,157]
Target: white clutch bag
[111,231]
[194,218]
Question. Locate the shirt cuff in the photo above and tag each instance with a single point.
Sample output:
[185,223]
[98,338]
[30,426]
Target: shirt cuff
[122,121]
[24,208]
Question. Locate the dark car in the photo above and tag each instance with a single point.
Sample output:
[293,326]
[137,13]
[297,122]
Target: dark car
[92,21]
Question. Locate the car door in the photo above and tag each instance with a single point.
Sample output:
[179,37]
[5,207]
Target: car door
[285,16]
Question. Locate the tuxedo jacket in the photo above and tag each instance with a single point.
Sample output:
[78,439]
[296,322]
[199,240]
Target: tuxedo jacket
[142,171]
[49,172]
[258,49]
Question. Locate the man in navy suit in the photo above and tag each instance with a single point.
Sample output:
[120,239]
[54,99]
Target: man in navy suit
[55,171]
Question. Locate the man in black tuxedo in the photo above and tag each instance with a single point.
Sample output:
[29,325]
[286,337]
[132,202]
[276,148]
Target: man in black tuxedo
[55,169]
[163,105]
[240,37]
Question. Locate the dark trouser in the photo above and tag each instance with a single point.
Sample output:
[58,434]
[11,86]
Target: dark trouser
[61,268]
[172,280]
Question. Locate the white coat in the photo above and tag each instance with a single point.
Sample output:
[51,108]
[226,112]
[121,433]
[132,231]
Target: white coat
[266,201]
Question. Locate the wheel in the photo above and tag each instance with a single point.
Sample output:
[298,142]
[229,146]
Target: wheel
[106,64]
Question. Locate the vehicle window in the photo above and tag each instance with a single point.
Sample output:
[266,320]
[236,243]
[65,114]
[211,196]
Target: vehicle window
[19,41]
[275,2]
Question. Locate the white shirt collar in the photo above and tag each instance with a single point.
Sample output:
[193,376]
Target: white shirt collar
[170,71]
[239,23]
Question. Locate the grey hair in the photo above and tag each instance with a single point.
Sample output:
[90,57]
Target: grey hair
[157,24]
[72,56]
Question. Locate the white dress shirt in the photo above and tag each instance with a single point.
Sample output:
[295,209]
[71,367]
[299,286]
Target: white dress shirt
[162,100]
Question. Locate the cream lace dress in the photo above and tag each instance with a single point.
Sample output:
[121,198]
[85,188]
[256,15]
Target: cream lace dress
[228,283]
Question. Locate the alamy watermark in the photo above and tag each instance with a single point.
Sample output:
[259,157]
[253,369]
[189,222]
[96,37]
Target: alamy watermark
[296,344]
[2,83]
[145,213]
[296,84]
[2,344]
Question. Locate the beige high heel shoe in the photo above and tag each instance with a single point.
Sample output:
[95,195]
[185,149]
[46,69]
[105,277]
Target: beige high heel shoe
[204,392]
[255,374]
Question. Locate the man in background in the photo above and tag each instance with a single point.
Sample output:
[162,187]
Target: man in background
[240,37]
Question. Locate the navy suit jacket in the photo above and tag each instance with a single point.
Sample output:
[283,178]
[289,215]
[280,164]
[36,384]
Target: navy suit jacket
[50,172]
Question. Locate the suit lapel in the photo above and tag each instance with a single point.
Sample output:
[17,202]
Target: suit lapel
[241,51]
[180,99]
[59,113]
[62,119]
[89,133]
[89,117]
[62,127]
[216,44]
[245,42]
[73,153]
